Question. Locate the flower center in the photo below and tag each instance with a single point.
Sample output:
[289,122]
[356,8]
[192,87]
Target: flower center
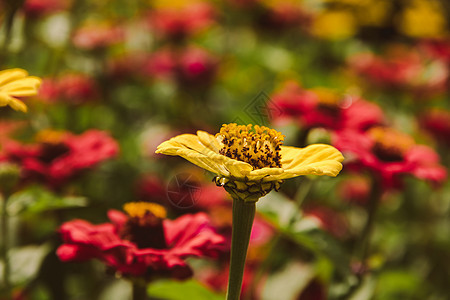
[144,226]
[390,145]
[260,146]
[328,101]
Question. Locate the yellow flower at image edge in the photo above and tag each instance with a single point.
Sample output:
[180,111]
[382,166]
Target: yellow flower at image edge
[252,162]
[16,83]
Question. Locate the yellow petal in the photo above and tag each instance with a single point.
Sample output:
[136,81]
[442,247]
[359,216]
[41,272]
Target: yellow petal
[4,99]
[192,149]
[209,141]
[23,87]
[267,174]
[202,161]
[11,75]
[318,159]
[18,105]
[238,169]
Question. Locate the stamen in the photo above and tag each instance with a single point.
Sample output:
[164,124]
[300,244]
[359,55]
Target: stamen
[49,136]
[142,209]
[145,226]
[329,100]
[390,145]
[260,146]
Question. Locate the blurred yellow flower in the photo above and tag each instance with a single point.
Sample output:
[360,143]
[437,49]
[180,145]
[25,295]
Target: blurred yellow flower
[252,159]
[16,83]
[334,25]
[423,19]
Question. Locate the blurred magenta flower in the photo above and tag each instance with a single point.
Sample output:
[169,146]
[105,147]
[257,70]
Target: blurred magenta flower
[7,129]
[388,154]
[437,122]
[70,88]
[151,188]
[328,219]
[59,156]
[40,8]
[141,243]
[98,36]
[323,108]
[196,66]
[414,71]
[355,189]
[190,66]
[437,48]
[177,23]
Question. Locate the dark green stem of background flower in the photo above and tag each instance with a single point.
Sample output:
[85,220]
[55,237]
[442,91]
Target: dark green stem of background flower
[4,245]
[366,234]
[139,291]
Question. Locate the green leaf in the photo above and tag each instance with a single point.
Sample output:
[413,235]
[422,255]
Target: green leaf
[181,290]
[25,262]
[36,199]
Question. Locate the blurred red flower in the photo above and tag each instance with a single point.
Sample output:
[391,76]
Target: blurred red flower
[389,154]
[414,71]
[438,49]
[98,36]
[179,23]
[70,88]
[191,66]
[437,122]
[40,8]
[152,189]
[324,108]
[60,156]
[142,243]
[328,219]
[355,189]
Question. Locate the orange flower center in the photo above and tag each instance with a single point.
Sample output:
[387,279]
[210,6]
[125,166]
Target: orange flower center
[260,146]
[390,145]
[144,226]
[329,101]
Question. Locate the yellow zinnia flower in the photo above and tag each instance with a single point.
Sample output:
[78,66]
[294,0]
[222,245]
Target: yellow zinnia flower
[16,83]
[252,162]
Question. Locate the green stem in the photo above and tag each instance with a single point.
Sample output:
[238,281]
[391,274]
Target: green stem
[4,245]
[243,215]
[366,234]
[139,291]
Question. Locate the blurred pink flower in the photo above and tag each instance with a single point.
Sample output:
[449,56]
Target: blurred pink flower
[437,122]
[160,64]
[141,244]
[329,220]
[152,189]
[389,154]
[283,15]
[98,36]
[355,189]
[178,23]
[191,66]
[324,108]
[438,49]
[196,66]
[7,129]
[40,8]
[60,156]
[413,71]
[69,88]
[128,66]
